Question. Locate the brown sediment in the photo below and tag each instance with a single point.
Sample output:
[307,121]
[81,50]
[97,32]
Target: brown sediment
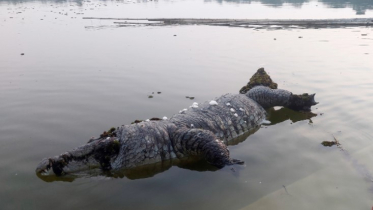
[259,78]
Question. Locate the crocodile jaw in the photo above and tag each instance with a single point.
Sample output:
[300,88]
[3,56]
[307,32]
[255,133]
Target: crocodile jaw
[44,168]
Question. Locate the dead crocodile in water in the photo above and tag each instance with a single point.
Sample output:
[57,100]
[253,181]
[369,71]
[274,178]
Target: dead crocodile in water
[202,130]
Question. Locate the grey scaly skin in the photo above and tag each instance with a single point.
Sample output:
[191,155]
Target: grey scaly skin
[267,98]
[202,131]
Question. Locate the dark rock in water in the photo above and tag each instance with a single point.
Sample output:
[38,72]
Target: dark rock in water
[22,53]
[159,92]
[150,96]
[259,78]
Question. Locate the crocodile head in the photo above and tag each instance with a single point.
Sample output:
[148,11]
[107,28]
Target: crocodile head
[44,168]
[302,102]
[97,154]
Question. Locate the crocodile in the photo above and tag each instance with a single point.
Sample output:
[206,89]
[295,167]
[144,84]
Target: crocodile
[202,130]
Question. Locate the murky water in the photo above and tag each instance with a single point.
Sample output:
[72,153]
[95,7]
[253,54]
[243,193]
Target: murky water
[79,77]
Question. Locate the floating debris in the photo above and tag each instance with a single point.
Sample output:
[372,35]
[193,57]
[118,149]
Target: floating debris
[332,143]
[328,143]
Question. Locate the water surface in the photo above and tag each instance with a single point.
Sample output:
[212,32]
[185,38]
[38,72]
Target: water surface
[79,77]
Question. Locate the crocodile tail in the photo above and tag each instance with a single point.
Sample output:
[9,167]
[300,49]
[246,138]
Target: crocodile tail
[97,154]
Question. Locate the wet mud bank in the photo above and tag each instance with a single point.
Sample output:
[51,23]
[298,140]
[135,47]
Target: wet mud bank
[248,23]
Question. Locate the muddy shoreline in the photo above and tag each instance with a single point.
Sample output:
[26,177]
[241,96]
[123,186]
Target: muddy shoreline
[250,23]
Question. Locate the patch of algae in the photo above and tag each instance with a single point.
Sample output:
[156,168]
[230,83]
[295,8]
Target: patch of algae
[259,78]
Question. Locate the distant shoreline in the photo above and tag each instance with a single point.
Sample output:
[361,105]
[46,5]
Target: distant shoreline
[251,23]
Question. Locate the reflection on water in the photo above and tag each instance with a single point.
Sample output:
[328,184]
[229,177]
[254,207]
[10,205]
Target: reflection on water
[278,116]
[73,83]
[141,172]
[360,6]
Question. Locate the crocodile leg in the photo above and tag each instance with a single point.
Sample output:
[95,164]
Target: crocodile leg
[203,143]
